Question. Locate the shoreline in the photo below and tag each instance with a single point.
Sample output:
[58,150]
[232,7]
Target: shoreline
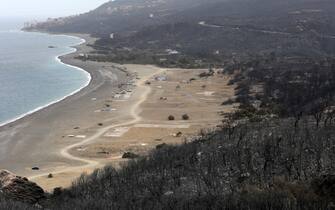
[117,112]
[37,137]
[59,60]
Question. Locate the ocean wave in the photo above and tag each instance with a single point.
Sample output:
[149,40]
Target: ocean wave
[57,58]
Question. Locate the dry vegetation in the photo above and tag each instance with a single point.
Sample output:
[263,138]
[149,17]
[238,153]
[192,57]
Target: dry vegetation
[277,152]
[268,165]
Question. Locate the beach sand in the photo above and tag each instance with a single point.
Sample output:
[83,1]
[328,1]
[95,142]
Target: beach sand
[120,111]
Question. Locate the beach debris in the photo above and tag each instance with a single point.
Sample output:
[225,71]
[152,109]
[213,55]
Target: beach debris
[148,83]
[193,79]
[35,168]
[107,105]
[185,117]
[159,87]
[178,87]
[130,155]
[51,47]
[50,176]
[144,144]
[171,118]
[100,124]
[204,86]
[76,128]
[163,98]
[20,188]
[71,136]
[93,99]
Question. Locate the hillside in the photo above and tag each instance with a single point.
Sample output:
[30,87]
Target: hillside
[276,151]
[252,166]
[200,30]
[119,16]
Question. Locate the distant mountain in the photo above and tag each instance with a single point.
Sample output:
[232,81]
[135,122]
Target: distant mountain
[201,28]
[120,16]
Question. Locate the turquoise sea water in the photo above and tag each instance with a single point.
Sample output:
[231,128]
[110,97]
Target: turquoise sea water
[31,76]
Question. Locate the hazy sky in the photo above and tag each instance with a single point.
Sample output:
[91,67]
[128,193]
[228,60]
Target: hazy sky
[46,8]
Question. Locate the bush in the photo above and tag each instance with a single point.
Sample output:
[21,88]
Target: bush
[232,168]
[171,118]
[185,117]
[129,155]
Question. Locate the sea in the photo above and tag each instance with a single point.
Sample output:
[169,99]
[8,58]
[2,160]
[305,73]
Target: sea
[32,76]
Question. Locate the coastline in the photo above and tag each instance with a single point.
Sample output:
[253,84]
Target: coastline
[58,59]
[37,137]
[115,113]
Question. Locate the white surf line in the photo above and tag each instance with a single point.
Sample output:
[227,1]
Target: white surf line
[92,163]
[88,75]
[203,23]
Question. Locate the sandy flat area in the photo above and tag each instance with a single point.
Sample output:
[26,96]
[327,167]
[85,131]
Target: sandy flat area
[124,109]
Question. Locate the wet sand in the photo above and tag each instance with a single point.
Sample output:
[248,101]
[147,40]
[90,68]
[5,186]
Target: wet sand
[36,140]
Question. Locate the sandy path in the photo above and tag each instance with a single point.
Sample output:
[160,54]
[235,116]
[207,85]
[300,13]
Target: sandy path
[89,163]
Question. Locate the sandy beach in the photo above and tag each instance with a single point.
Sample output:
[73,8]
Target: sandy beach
[125,108]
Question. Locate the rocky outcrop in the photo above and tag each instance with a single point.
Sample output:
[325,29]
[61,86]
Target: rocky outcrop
[19,188]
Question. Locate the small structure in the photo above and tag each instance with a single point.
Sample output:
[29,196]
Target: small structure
[161,78]
[172,52]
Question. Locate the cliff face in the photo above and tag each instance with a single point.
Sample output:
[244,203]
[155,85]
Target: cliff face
[19,188]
